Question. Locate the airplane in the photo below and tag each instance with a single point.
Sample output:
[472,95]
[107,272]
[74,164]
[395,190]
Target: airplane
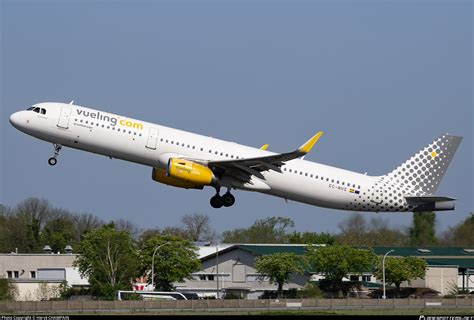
[192,161]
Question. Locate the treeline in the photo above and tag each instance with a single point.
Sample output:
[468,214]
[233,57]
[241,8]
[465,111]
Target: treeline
[34,223]
[358,231]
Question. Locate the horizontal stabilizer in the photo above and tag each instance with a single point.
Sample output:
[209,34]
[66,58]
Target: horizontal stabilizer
[431,203]
[427,199]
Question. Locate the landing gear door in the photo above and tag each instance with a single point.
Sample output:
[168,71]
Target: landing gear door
[152,139]
[64,118]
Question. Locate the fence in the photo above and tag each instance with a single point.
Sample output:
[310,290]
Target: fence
[183,305]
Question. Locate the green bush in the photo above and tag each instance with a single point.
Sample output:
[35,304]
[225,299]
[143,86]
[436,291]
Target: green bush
[311,290]
[8,291]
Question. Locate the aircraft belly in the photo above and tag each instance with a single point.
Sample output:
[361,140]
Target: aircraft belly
[310,191]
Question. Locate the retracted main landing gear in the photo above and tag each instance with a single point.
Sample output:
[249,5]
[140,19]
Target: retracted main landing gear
[57,149]
[227,200]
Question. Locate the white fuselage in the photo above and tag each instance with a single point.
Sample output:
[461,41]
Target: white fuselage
[152,145]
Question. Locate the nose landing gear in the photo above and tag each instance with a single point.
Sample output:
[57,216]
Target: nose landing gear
[227,200]
[57,149]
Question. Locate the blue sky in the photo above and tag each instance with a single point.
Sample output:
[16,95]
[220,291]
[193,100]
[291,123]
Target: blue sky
[381,78]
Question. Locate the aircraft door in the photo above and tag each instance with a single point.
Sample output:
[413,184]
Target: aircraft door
[63,121]
[152,138]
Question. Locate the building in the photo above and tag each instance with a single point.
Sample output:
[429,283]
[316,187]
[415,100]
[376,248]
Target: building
[234,267]
[448,267]
[231,271]
[38,276]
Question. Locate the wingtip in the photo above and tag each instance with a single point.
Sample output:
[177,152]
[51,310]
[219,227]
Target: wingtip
[306,148]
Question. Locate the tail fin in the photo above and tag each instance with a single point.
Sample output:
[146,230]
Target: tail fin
[422,173]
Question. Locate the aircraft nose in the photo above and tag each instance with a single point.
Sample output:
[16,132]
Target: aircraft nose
[15,119]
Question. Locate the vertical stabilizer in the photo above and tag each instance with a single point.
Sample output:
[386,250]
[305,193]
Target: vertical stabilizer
[422,173]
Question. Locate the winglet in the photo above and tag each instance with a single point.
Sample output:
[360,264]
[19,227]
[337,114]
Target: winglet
[305,148]
[264,147]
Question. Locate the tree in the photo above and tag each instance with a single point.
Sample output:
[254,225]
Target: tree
[399,269]
[197,226]
[126,225]
[268,230]
[356,231]
[175,260]
[337,261]
[422,233]
[59,233]
[5,243]
[311,238]
[461,234]
[109,259]
[8,290]
[86,222]
[36,211]
[278,267]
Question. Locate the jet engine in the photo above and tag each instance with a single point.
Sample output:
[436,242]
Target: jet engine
[190,172]
[184,174]
[159,175]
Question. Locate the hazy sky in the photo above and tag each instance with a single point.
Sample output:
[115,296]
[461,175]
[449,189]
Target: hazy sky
[381,78]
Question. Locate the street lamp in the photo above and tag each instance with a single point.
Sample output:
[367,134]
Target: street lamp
[153,265]
[383,272]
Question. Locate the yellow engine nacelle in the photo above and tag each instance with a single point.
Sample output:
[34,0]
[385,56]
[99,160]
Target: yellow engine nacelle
[190,172]
[159,175]
[184,174]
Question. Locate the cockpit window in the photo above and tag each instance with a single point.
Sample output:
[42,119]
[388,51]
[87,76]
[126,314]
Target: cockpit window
[37,110]
[43,111]
[30,108]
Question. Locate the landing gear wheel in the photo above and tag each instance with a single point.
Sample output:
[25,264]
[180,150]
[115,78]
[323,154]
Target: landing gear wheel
[57,149]
[228,199]
[216,201]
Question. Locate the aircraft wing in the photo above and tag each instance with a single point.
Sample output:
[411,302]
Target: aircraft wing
[245,168]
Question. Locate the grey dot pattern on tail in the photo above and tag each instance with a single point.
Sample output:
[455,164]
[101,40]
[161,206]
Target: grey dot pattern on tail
[419,176]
